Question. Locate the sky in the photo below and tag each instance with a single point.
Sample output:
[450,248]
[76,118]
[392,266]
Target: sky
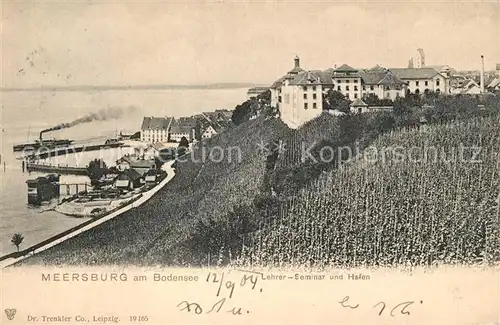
[143,43]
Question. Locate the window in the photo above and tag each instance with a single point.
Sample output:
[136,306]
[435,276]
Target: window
[416,83]
[314,105]
[355,95]
[339,81]
[426,83]
[304,88]
[347,88]
[305,106]
[305,96]
[371,87]
[364,88]
[347,81]
[356,88]
[387,88]
[338,88]
[355,81]
[314,88]
[437,82]
[314,96]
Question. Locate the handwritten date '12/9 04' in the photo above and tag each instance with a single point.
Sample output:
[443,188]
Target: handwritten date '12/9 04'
[251,278]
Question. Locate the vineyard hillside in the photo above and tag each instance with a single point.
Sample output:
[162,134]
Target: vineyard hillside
[414,197]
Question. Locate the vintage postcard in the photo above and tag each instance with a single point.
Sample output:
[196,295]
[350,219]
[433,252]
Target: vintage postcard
[241,162]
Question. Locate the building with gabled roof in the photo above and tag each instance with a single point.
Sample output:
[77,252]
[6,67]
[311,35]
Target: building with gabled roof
[421,80]
[382,83]
[346,79]
[155,129]
[299,94]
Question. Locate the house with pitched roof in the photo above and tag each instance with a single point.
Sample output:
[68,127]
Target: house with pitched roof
[299,94]
[420,80]
[347,80]
[179,130]
[208,132]
[155,129]
[382,83]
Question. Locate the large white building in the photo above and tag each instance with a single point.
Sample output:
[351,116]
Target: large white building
[421,80]
[299,94]
[155,129]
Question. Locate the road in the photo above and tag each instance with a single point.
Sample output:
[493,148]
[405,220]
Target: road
[145,197]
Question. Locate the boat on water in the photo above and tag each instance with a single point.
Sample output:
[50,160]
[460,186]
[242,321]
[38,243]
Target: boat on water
[37,144]
[51,144]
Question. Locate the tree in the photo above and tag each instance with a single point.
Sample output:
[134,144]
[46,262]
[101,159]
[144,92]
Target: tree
[183,146]
[16,240]
[336,100]
[242,112]
[96,169]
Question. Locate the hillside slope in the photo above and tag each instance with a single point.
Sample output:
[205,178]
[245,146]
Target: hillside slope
[424,201]
[151,234]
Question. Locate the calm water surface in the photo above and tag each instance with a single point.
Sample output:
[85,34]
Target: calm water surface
[25,113]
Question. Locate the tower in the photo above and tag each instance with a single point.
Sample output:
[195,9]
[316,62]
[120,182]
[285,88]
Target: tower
[296,61]
[482,74]
[420,59]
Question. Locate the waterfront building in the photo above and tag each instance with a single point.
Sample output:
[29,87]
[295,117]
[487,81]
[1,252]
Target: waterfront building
[155,129]
[128,179]
[70,185]
[142,166]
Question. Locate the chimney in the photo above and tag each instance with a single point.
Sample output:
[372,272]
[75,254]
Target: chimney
[297,61]
[482,74]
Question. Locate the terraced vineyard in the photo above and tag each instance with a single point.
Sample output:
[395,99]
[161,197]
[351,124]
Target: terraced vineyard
[436,207]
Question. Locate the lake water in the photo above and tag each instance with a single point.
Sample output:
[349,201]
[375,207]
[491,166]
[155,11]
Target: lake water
[25,113]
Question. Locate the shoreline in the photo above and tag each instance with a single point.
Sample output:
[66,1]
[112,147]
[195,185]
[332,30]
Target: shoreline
[13,258]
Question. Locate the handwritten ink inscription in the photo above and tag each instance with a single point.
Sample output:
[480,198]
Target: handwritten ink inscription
[227,289]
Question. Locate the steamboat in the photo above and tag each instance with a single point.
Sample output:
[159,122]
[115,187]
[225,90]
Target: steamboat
[37,144]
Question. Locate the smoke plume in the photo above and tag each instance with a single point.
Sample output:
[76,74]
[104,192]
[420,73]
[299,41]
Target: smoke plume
[105,114]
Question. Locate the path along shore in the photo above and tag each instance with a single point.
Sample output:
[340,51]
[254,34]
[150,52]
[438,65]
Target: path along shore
[145,197]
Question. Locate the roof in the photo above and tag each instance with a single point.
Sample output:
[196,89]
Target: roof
[414,73]
[182,129]
[157,123]
[494,83]
[257,90]
[498,66]
[358,102]
[380,76]
[314,77]
[345,68]
[277,83]
[73,179]
[187,121]
[377,68]
[295,70]
[441,67]
[132,174]
[141,163]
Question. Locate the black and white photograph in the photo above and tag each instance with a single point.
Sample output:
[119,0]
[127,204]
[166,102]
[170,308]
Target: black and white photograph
[271,135]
